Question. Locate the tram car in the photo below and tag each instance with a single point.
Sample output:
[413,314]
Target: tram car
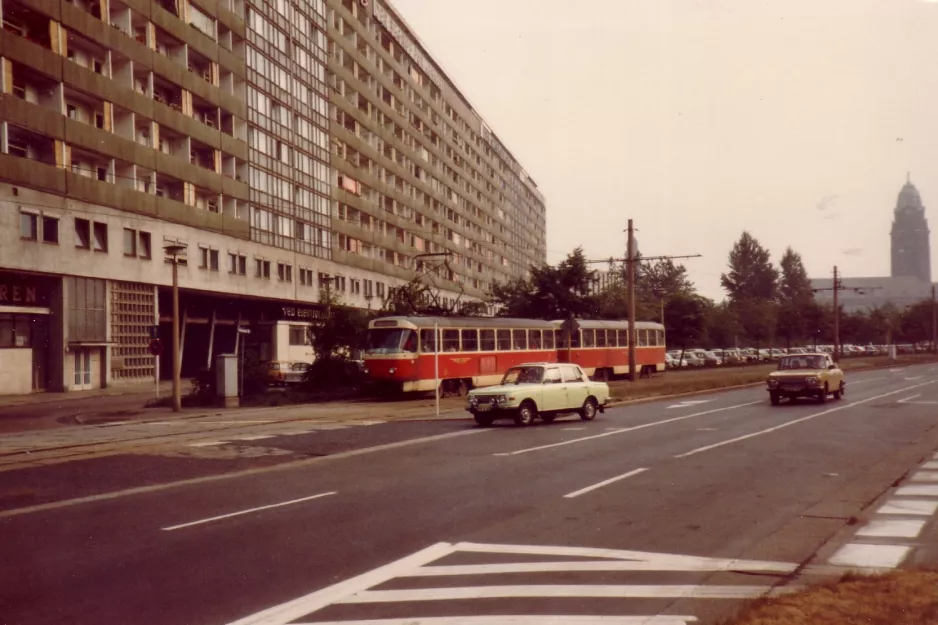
[476,351]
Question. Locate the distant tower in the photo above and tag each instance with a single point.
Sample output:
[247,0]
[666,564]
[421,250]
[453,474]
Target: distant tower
[911,255]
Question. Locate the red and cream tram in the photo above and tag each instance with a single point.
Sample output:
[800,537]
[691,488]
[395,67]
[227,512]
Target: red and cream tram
[476,351]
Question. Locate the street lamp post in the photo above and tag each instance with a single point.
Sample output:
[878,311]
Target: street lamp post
[173,252]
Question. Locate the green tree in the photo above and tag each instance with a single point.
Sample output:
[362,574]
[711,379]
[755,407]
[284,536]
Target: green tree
[685,319]
[758,318]
[795,296]
[549,292]
[751,274]
[723,327]
[916,324]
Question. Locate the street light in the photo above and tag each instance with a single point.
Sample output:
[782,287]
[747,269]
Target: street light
[173,252]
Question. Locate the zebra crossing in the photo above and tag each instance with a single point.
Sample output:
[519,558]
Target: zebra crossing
[434,585]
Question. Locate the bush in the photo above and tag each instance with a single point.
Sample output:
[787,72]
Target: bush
[335,373]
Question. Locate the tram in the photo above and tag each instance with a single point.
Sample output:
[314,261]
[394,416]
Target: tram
[476,351]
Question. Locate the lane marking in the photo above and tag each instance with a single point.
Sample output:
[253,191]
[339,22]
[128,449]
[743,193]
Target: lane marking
[870,556]
[688,403]
[925,476]
[244,422]
[253,437]
[624,591]
[525,619]
[207,444]
[248,511]
[917,377]
[623,430]
[286,466]
[796,421]
[293,610]
[865,380]
[908,399]
[917,491]
[572,429]
[911,507]
[891,528]
[611,480]
[931,466]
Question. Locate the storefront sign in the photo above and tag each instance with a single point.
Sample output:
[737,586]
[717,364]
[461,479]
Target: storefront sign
[23,290]
[292,312]
[25,295]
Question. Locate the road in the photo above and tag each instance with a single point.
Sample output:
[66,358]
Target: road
[667,513]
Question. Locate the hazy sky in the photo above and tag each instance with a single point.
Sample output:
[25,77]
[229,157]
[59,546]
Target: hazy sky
[794,119]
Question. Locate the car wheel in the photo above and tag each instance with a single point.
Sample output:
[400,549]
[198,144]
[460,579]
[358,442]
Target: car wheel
[548,418]
[775,398]
[526,414]
[485,420]
[462,389]
[822,396]
[839,393]
[588,411]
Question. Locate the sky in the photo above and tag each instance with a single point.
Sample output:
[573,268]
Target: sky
[796,120]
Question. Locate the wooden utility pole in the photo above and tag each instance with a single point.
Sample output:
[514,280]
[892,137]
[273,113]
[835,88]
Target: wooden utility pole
[837,286]
[630,266]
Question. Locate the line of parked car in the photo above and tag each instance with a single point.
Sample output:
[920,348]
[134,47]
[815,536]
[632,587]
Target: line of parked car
[750,355]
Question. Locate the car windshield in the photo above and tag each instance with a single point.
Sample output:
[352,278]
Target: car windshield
[801,362]
[391,341]
[524,375]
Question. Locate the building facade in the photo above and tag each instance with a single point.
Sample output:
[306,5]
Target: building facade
[290,147]
[911,251]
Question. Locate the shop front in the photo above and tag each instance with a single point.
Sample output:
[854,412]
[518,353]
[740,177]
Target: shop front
[25,311]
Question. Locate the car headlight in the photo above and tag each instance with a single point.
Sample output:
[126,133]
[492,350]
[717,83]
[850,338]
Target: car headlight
[812,381]
[473,400]
[500,399]
[773,383]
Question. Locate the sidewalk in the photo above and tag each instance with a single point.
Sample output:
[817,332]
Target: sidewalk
[48,397]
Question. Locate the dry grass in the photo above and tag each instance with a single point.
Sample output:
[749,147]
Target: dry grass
[895,598]
[696,380]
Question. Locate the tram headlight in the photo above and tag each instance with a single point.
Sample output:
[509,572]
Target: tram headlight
[392,370]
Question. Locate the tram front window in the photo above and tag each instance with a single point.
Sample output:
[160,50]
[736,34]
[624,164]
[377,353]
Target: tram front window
[388,341]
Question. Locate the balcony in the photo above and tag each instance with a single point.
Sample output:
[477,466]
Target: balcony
[87,54]
[143,129]
[90,165]
[200,66]
[144,180]
[85,109]
[92,7]
[124,123]
[202,155]
[26,23]
[36,88]
[121,17]
[23,143]
[167,93]
[143,82]
[169,46]
[169,188]
[205,112]
[207,201]
[173,144]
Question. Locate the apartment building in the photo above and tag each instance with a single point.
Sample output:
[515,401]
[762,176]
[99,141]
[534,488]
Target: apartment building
[290,147]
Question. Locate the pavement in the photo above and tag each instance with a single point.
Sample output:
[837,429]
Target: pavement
[667,512]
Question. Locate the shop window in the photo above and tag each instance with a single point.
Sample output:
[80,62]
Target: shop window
[298,335]
[29,226]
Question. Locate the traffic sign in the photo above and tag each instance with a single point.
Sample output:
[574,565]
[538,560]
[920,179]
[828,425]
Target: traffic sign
[156,347]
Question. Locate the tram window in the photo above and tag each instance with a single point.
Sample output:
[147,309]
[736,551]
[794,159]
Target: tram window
[450,340]
[610,338]
[488,340]
[549,339]
[576,339]
[427,341]
[589,338]
[642,338]
[504,340]
[520,339]
[600,338]
[623,338]
[660,335]
[534,339]
[470,340]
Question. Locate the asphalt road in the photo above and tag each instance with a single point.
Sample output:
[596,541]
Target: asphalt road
[656,513]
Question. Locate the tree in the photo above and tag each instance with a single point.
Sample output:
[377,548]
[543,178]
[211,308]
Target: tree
[758,318]
[341,331]
[663,278]
[751,274]
[917,322]
[685,319]
[795,296]
[722,325]
[549,292]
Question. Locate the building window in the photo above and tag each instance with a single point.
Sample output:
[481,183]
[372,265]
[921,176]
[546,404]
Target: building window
[29,226]
[82,233]
[208,259]
[285,272]
[203,258]
[262,269]
[298,335]
[213,260]
[130,242]
[237,264]
[50,230]
[100,237]
[143,249]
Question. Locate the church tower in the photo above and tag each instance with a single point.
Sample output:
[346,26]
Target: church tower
[911,255]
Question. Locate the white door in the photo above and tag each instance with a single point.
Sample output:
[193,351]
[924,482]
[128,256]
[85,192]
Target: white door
[82,370]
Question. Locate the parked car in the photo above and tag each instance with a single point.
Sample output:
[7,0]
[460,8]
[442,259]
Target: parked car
[539,390]
[806,375]
[296,373]
[713,358]
[733,356]
[277,372]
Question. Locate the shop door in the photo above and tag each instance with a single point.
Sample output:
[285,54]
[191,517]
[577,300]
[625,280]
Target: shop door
[82,370]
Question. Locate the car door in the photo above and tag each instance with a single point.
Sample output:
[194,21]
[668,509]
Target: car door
[575,382]
[835,375]
[554,392]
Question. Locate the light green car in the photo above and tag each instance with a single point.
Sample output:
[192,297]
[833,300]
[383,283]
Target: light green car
[539,390]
